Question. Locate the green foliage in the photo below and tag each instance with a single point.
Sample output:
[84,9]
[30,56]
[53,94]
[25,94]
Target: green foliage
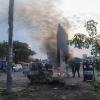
[97,66]
[22,51]
[93,40]
[3,51]
[91,27]
[96,48]
[80,41]
[96,86]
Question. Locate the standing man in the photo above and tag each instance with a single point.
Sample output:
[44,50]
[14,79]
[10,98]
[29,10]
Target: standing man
[76,69]
[73,68]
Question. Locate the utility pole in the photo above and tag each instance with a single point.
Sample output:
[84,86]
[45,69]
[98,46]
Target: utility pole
[10,47]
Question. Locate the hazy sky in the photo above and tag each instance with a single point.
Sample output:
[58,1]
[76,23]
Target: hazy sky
[80,11]
[27,18]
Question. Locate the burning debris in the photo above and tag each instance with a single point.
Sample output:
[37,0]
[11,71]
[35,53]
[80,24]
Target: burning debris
[56,51]
[43,23]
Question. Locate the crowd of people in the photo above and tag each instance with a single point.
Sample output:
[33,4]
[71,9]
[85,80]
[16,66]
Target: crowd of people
[45,68]
[76,66]
[41,67]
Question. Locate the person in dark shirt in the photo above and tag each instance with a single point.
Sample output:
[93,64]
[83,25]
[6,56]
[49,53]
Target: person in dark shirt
[87,64]
[76,69]
[97,66]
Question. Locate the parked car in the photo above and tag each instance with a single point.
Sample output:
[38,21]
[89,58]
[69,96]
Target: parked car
[17,67]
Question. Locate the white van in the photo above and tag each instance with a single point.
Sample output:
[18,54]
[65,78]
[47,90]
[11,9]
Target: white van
[17,67]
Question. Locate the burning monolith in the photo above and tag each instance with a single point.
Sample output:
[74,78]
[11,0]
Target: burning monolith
[62,46]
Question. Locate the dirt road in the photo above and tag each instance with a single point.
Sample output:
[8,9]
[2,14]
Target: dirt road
[74,89]
[54,92]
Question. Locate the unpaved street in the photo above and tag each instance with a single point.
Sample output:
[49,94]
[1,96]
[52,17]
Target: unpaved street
[74,89]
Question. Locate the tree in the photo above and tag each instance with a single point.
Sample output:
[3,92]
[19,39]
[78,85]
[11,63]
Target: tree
[82,41]
[78,40]
[96,48]
[21,51]
[3,51]
[91,27]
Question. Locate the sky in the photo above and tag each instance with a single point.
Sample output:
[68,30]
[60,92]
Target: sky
[30,14]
